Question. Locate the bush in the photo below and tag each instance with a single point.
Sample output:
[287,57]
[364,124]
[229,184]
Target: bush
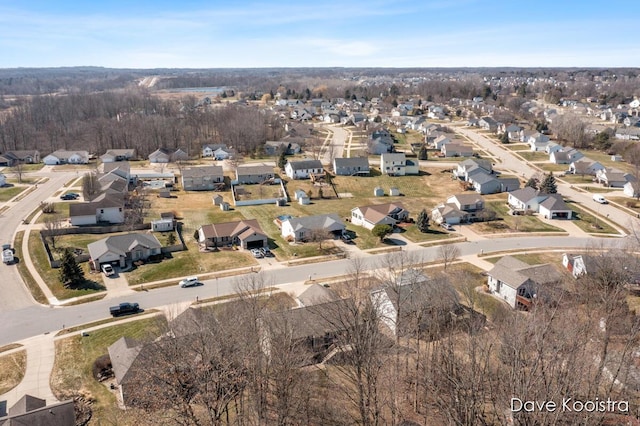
[102,368]
[632,204]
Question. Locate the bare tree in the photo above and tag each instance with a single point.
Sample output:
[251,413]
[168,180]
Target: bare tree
[52,227]
[18,170]
[90,185]
[448,253]
[319,236]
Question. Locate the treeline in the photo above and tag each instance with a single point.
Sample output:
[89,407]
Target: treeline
[131,119]
[219,368]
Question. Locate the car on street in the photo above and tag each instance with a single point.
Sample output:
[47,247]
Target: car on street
[599,199]
[7,257]
[125,308]
[446,226]
[107,269]
[190,282]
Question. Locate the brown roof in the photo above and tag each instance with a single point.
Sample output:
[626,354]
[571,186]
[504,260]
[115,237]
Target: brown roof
[241,229]
[377,212]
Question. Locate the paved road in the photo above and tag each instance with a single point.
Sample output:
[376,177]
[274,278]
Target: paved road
[508,161]
[334,146]
[31,321]
[13,293]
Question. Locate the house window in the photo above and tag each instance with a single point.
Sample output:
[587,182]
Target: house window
[101,211]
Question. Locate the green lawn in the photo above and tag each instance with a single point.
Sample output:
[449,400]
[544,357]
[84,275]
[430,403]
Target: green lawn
[75,355]
[92,285]
[61,210]
[588,222]
[190,262]
[511,223]
[8,192]
[534,156]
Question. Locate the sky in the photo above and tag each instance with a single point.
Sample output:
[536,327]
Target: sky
[328,33]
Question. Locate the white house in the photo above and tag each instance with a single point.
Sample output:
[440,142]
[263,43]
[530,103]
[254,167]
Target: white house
[3,180]
[396,164]
[632,189]
[551,206]
[106,208]
[66,157]
[303,169]
[302,228]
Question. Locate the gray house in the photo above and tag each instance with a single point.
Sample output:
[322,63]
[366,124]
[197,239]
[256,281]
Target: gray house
[356,166]
[205,178]
[490,184]
[258,173]
[121,249]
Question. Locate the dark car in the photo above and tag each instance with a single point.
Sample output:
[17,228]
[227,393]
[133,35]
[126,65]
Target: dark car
[70,196]
[124,309]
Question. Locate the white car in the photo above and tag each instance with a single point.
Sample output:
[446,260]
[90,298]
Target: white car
[190,282]
[108,270]
[599,199]
[446,226]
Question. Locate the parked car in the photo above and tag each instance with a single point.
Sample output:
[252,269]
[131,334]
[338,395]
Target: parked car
[347,238]
[257,253]
[124,309]
[446,226]
[7,256]
[69,196]
[266,252]
[108,269]
[190,282]
[599,199]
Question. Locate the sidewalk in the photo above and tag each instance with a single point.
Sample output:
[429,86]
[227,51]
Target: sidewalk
[40,358]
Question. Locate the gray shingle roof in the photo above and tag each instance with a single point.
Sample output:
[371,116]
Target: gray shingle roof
[305,164]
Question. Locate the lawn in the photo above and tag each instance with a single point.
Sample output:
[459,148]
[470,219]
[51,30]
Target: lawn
[551,167]
[12,368]
[534,156]
[579,179]
[28,279]
[8,192]
[588,222]
[72,370]
[50,275]
[517,146]
[190,262]
[61,211]
[509,223]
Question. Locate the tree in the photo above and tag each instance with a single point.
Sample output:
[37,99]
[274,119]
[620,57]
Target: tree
[448,253]
[423,154]
[282,160]
[90,185]
[532,183]
[171,239]
[319,236]
[549,184]
[18,170]
[52,225]
[381,231]
[70,274]
[504,138]
[423,221]
[603,141]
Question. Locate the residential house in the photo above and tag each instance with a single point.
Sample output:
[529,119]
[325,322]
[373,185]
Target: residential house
[32,411]
[632,189]
[484,183]
[412,303]
[113,155]
[217,151]
[164,155]
[254,173]
[628,134]
[513,131]
[275,148]
[316,294]
[538,142]
[380,145]
[521,284]
[11,158]
[577,263]
[467,168]
[440,141]
[123,249]
[585,166]
[614,178]
[565,155]
[528,199]
[457,150]
[205,178]
[354,166]
[458,208]
[66,157]
[303,169]
[312,328]
[303,228]
[379,214]
[397,164]
[121,169]
[553,147]
[3,180]
[246,234]
[105,208]
[488,123]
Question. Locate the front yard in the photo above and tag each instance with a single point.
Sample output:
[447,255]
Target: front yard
[508,223]
[10,191]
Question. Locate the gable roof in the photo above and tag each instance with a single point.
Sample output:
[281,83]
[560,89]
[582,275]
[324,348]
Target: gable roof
[525,194]
[305,164]
[103,201]
[203,171]
[240,229]
[254,169]
[513,272]
[315,320]
[377,212]
[554,202]
[329,221]
[122,244]
[317,294]
[466,199]
[122,354]
[362,162]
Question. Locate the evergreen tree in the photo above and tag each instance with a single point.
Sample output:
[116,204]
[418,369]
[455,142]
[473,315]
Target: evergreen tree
[423,154]
[532,183]
[381,231]
[71,274]
[548,184]
[423,221]
[504,138]
[282,160]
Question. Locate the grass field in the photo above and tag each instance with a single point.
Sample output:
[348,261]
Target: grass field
[517,147]
[511,223]
[28,279]
[555,168]
[589,222]
[12,368]
[8,192]
[534,156]
[50,275]
[72,375]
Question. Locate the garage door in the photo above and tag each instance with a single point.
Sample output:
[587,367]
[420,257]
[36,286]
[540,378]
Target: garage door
[255,244]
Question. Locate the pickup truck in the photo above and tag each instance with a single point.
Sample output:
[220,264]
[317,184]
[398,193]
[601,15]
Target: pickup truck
[124,309]
[7,256]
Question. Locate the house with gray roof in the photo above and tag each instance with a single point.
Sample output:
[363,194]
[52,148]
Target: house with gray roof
[246,234]
[254,173]
[585,166]
[484,183]
[165,155]
[354,166]
[379,214]
[11,158]
[303,169]
[277,147]
[123,249]
[614,178]
[33,411]
[550,206]
[114,155]
[204,178]
[105,208]
[62,156]
[520,284]
[455,149]
[302,228]
[316,294]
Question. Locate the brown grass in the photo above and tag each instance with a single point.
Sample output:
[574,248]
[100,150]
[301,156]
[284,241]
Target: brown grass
[12,369]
